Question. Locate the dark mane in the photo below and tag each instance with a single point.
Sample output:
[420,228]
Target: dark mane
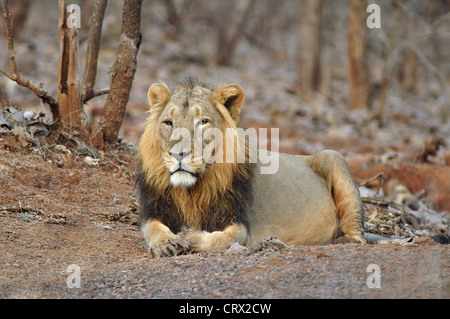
[232,206]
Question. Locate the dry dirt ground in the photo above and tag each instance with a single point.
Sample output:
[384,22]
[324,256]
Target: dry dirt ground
[54,215]
[56,210]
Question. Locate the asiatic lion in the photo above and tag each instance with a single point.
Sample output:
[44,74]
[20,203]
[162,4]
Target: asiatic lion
[189,204]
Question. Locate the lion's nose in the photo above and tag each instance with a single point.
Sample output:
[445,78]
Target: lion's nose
[179,155]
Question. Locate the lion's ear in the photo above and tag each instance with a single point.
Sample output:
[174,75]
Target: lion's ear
[158,94]
[232,97]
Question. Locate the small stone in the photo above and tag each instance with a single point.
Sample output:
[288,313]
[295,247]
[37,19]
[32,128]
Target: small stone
[268,243]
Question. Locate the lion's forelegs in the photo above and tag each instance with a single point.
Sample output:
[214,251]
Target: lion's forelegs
[332,167]
[160,241]
[206,242]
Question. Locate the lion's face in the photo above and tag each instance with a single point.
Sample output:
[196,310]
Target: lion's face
[180,126]
[183,120]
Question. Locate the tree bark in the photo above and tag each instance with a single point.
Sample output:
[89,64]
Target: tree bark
[408,73]
[356,55]
[407,68]
[95,32]
[173,19]
[3,100]
[68,92]
[63,63]
[73,84]
[309,54]
[122,72]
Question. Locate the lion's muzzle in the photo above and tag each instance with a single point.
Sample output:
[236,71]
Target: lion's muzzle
[182,172]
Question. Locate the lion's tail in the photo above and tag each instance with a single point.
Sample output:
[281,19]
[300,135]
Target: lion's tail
[373,239]
[439,238]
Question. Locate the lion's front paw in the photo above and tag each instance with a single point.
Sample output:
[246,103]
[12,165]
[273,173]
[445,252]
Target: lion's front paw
[196,238]
[205,242]
[169,247]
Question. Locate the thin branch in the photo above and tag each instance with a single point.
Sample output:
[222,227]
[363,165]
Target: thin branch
[20,209]
[95,32]
[10,76]
[382,202]
[9,35]
[379,175]
[375,201]
[96,93]
[15,76]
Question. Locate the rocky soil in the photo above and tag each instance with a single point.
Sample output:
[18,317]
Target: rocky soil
[52,217]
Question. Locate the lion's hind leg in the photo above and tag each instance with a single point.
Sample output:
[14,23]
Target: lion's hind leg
[332,167]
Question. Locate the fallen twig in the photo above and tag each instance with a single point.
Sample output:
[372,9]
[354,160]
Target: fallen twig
[19,209]
[379,175]
[382,202]
[375,201]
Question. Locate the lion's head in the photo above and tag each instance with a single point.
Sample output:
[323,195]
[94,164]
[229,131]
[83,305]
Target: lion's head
[176,125]
[169,167]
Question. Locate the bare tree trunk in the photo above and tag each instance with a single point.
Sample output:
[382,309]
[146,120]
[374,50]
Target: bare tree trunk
[228,37]
[407,68]
[122,71]
[173,19]
[3,100]
[63,63]
[436,12]
[68,93]
[96,136]
[73,83]
[408,74]
[67,107]
[356,55]
[310,40]
[95,32]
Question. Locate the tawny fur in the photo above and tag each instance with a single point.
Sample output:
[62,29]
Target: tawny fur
[310,200]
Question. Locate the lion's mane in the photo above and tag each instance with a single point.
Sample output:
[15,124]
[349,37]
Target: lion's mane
[221,196]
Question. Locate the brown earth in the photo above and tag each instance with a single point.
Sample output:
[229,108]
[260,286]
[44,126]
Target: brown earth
[431,178]
[56,212]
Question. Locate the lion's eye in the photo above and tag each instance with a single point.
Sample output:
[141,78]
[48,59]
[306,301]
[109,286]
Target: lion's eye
[205,121]
[168,122]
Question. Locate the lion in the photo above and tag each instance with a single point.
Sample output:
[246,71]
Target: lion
[188,203]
